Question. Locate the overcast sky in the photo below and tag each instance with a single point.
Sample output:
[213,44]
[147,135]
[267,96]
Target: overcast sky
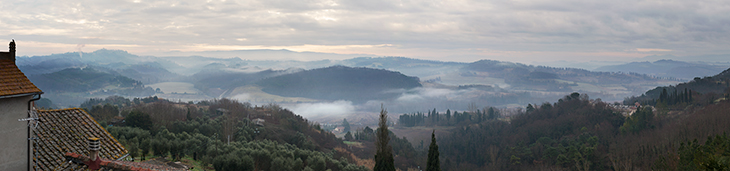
[448,30]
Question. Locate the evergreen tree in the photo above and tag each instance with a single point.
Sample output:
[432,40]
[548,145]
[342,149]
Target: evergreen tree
[492,114]
[348,136]
[384,152]
[448,114]
[433,163]
[346,125]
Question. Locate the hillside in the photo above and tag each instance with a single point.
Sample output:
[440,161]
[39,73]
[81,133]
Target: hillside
[149,73]
[340,83]
[550,80]
[447,84]
[72,85]
[705,88]
[668,68]
[222,134]
[81,80]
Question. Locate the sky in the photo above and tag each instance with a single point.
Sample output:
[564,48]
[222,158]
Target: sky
[447,30]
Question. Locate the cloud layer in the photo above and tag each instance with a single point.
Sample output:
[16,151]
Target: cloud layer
[461,30]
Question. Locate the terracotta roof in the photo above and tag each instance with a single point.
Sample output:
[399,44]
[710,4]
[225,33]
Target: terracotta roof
[66,131]
[122,165]
[13,81]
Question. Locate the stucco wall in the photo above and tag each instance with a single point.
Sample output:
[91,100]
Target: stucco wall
[13,133]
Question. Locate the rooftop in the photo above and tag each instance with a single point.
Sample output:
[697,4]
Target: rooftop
[13,81]
[119,165]
[66,131]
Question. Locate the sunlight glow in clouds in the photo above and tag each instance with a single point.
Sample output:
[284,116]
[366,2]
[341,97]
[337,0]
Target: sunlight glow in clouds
[652,50]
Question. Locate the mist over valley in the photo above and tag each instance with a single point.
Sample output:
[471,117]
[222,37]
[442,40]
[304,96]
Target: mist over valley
[326,89]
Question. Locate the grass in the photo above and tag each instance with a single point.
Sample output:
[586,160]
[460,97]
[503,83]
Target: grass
[353,143]
[197,165]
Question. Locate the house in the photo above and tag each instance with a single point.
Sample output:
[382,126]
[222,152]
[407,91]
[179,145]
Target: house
[338,129]
[51,139]
[61,144]
[17,94]
[66,131]
[259,121]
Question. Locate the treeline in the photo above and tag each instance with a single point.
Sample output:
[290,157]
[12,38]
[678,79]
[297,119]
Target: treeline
[577,133]
[109,110]
[405,155]
[569,134]
[219,132]
[434,118]
[699,91]
[236,155]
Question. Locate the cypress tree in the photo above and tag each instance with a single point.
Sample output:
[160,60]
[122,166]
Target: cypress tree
[433,163]
[384,152]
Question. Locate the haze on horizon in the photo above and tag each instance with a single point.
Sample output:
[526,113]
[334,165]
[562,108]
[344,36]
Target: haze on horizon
[456,30]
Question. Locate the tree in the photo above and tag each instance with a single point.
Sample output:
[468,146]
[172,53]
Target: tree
[144,145]
[448,115]
[346,125]
[233,162]
[348,136]
[384,152]
[433,163]
[138,119]
[133,150]
[492,114]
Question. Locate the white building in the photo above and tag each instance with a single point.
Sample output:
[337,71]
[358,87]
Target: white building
[17,94]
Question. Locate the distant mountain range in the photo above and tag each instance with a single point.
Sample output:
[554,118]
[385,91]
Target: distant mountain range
[409,84]
[669,68]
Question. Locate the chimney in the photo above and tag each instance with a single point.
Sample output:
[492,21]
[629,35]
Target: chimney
[12,49]
[94,162]
[9,55]
[94,144]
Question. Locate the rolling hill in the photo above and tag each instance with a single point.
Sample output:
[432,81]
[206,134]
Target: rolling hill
[340,83]
[669,68]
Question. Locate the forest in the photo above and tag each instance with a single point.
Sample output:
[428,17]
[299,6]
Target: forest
[679,129]
[219,133]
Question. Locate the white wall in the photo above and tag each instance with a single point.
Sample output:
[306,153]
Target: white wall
[14,133]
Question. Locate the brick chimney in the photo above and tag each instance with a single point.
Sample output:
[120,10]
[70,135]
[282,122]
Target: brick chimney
[12,49]
[10,55]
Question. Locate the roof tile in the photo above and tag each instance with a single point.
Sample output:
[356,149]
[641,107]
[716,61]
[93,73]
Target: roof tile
[65,131]
[13,81]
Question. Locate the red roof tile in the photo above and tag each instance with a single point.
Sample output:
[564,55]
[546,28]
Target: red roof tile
[126,165]
[13,81]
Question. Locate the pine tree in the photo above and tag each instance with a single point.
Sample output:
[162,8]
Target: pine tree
[433,163]
[348,136]
[384,152]
[346,125]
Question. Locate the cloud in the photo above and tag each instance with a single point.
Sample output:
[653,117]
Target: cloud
[336,108]
[652,50]
[462,30]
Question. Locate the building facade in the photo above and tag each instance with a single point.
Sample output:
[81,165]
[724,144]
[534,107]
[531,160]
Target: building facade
[17,94]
